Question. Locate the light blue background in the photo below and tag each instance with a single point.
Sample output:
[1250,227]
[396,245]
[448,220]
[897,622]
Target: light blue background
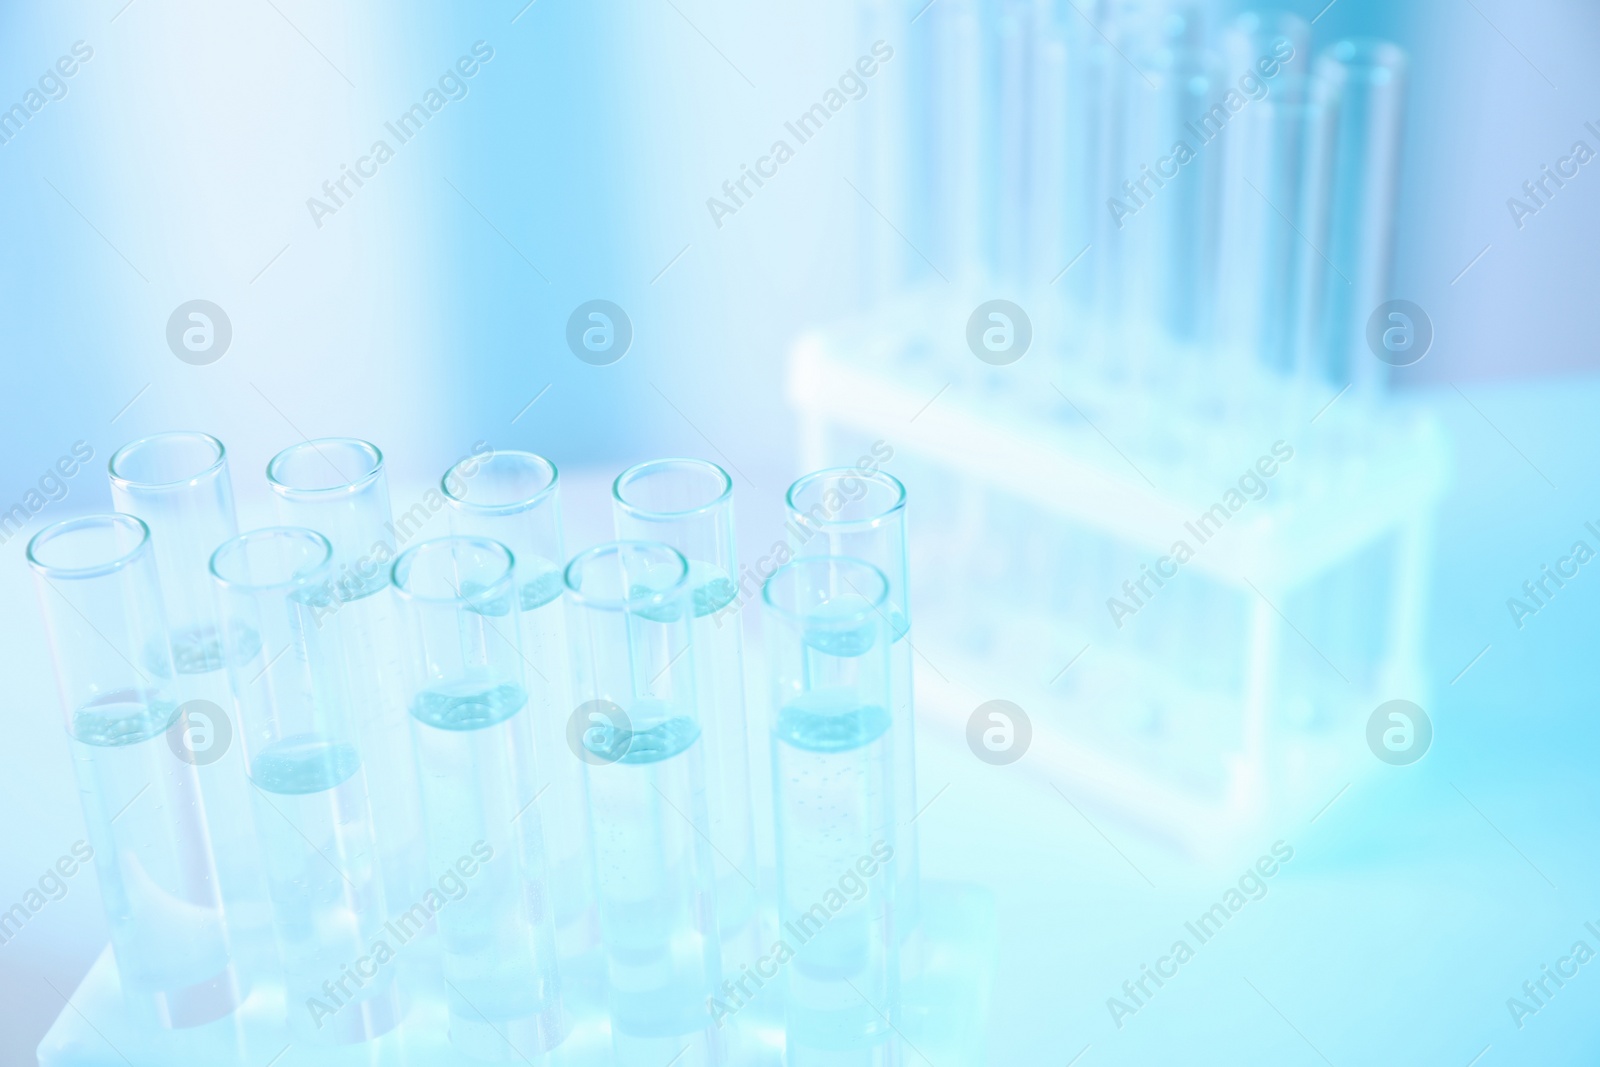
[178,166]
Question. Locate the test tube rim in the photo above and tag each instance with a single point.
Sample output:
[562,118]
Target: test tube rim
[875,605]
[299,580]
[284,489]
[514,507]
[98,570]
[1258,19]
[489,592]
[1336,71]
[867,523]
[121,481]
[632,605]
[653,515]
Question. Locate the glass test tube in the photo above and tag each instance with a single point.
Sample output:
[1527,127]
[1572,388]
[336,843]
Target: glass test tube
[1362,84]
[1114,98]
[1050,165]
[862,514]
[1190,88]
[475,750]
[514,498]
[1086,138]
[101,601]
[337,486]
[1014,34]
[282,637]
[960,140]
[1307,343]
[637,729]
[833,743]
[1264,191]
[688,504]
[883,150]
[178,483]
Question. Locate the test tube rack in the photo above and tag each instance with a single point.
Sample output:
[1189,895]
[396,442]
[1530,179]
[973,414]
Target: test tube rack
[1042,486]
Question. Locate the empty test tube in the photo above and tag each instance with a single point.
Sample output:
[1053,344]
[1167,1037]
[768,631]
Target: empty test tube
[961,176]
[473,733]
[637,728]
[1108,94]
[1265,192]
[1049,246]
[688,504]
[1191,107]
[98,591]
[1361,84]
[337,486]
[1085,136]
[313,817]
[883,140]
[178,483]
[514,497]
[862,515]
[1014,34]
[833,743]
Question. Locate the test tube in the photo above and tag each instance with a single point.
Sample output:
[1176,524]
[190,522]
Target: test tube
[1087,141]
[101,600]
[833,743]
[337,487]
[514,498]
[1264,192]
[847,511]
[688,505]
[474,741]
[1362,84]
[637,729]
[1190,109]
[1311,273]
[313,818]
[178,483]
[960,174]
[1013,117]
[884,149]
[1112,91]
[1050,164]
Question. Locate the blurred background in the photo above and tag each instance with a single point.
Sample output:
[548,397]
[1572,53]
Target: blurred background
[1157,343]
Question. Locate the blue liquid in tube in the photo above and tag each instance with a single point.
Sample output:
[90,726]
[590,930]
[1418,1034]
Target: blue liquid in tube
[486,865]
[313,821]
[647,789]
[157,879]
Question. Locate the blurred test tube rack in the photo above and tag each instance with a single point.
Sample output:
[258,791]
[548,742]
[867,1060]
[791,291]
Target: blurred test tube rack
[1140,323]
[1239,682]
